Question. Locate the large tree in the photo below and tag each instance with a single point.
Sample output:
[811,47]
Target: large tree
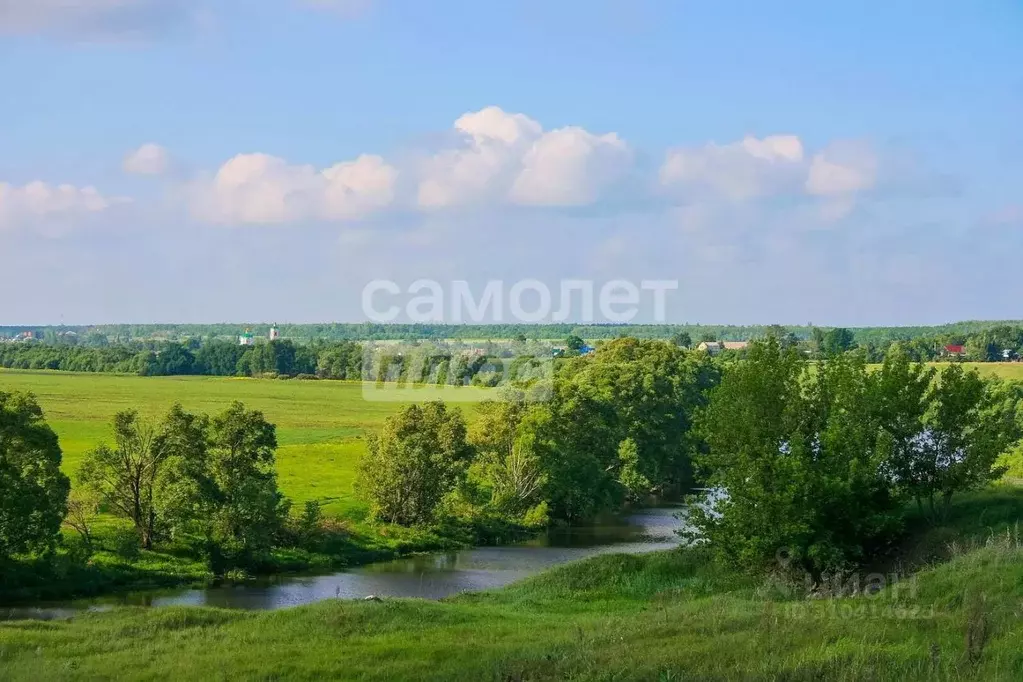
[795,452]
[969,422]
[420,455]
[654,390]
[126,474]
[33,491]
[242,461]
[220,486]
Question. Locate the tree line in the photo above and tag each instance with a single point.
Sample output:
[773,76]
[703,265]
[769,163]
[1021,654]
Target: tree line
[337,360]
[881,337]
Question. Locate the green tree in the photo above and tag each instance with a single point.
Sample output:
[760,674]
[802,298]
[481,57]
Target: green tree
[574,343]
[982,348]
[420,455]
[82,512]
[125,476]
[837,341]
[503,467]
[796,454]
[654,390]
[682,339]
[250,509]
[968,424]
[221,483]
[33,491]
[573,437]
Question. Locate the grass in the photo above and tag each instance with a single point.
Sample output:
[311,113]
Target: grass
[321,425]
[1012,371]
[665,616]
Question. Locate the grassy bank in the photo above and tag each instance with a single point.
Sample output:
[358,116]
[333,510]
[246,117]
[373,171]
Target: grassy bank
[957,613]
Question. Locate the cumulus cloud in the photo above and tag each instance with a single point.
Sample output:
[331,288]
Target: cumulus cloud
[774,165]
[570,167]
[42,203]
[842,169]
[149,159]
[264,189]
[93,18]
[494,159]
[741,170]
[505,157]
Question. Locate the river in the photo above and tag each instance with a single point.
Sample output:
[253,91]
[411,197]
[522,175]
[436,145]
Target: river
[428,576]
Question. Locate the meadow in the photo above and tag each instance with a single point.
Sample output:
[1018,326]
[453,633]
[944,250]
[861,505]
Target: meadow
[321,425]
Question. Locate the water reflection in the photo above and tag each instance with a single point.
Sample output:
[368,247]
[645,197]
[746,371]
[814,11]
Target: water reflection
[430,576]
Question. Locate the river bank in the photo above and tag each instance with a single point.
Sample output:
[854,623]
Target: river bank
[667,615]
[432,575]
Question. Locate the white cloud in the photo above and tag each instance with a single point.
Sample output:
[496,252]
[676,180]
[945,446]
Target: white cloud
[42,203]
[842,169]
[264,189]
[357,188]
[754,168]
[493,144]
[738,171]
[149,159]
[509,158]
[570,167]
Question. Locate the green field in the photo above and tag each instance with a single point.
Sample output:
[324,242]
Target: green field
[321,425]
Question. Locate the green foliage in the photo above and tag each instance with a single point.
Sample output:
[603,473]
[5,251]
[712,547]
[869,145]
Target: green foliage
[837,341]
[221,486]
[574,343]
[637,486]
[653,390]
[617,427]
[33,491]
[125,476]
[816,461]
[682,339]
[212,480]
[506,475]
[797,455]
[969,423]
[419,457]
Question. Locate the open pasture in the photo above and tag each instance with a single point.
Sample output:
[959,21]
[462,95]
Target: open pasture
[321,425]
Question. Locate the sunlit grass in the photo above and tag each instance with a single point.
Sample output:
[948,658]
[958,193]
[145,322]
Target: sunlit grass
[321,425]
[665,616]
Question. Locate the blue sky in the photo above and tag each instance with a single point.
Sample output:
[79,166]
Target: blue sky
[210,160]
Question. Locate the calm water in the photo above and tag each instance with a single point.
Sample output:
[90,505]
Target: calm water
[430,576]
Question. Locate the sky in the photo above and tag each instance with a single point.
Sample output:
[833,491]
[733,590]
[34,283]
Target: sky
[839,163]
